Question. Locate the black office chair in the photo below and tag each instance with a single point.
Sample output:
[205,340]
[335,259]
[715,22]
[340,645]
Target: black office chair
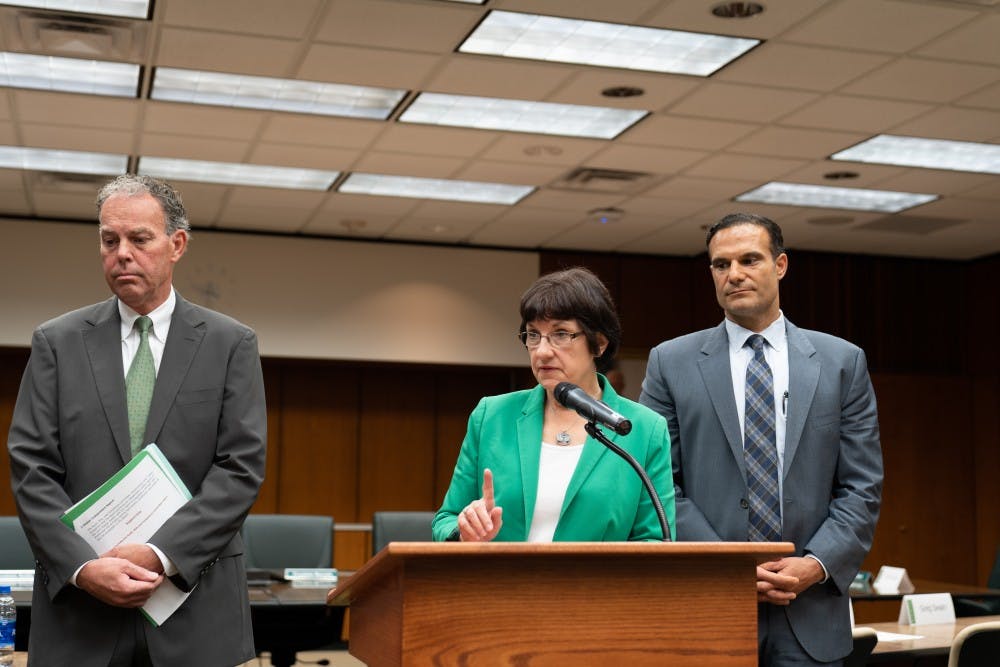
[400,527]
[976,646]
[982,606]
[15,552]
[277,541]
[864,642]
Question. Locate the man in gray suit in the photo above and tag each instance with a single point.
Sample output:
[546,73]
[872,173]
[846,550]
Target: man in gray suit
[774,437]
[74,426]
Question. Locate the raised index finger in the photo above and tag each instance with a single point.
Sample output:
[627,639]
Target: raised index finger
[488,489]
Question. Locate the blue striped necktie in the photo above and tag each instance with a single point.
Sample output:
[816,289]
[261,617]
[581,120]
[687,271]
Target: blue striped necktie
[760,449]
[139,384]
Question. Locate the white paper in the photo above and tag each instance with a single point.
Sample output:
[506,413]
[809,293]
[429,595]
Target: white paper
[926,609]
[895,637]
[129,509]
[892,581]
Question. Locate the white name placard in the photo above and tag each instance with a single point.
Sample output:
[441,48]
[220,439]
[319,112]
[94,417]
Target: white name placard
[926,609]
[892,581]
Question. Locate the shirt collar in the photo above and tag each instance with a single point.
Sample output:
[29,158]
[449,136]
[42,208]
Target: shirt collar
[160,316]
[774,334]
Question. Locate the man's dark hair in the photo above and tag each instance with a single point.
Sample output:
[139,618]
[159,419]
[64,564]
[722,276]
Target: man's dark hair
[575,294]
[734,219]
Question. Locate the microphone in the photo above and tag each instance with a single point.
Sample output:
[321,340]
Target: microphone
[591,409]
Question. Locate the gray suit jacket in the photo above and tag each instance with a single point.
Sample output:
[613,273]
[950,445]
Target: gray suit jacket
[832,477]
[69,433]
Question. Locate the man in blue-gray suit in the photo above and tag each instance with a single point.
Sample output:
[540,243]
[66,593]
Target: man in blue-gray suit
[774,437]
[194,387]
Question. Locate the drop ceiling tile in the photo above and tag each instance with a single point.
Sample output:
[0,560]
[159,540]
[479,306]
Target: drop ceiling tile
[988,98]
[860,114]
[682,132]
[402,164]
[877,25]
[974,42]
[660,89]
[731,101]
[75,139]
[924,80]
[339,223]
[313,131]
[788,142]
[77,110]
[869,175]
[696,15]
[12,180]
[685,238]
[285,155]
[430,27]
[706,189]
[192,148]
[959,208]
[8,137]
[535,149]
[4,107]
[224,52]
[431,140]
[661,209]
[289,18]
[248,197]
[953,123]
[591,235]
[366,67]
[514,173]
[576,203]
[433,230]
[13,202]
[652,160]
[800,67]
[356,206]
[489,76]
[777,213]
[989,190]
[936,181]
[64,205]
[451,211]
[198,120]
[524,227]
[263,218]
[203,201]
[745,167]
[620,11]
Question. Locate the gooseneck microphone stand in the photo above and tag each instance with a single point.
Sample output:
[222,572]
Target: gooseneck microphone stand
[596,433]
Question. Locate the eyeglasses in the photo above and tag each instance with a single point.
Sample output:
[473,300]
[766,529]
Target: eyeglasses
[557,339]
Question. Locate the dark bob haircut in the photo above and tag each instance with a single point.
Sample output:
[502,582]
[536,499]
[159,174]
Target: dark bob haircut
[575,294]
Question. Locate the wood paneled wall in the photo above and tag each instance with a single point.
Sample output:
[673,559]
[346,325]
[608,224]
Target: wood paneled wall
[349,438]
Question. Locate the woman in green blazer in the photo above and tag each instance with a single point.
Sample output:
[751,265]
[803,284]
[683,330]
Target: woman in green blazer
[527,470]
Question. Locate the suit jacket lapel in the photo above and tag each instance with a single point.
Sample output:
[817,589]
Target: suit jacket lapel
[529,448]
[718,378]
[186,333]
[803,378]
[104,347]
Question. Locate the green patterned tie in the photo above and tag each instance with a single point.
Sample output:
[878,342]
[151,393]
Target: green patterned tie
[139,385]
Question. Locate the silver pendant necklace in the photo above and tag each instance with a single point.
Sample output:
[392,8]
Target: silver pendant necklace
[563,438]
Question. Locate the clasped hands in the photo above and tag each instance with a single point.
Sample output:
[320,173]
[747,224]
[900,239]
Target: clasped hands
[125,576]
[481,519]
[780,581]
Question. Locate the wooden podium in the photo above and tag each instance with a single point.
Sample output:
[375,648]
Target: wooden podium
[565,603]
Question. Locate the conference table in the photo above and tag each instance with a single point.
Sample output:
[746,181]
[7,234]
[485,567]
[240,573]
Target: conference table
[872,607]
[927,640]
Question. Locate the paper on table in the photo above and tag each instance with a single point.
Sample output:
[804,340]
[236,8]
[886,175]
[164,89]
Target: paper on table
[895,636]
[129,508]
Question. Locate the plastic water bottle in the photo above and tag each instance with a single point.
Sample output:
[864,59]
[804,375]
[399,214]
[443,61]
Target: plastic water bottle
[8,624]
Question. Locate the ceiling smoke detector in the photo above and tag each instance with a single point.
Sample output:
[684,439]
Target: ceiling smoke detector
[605,216]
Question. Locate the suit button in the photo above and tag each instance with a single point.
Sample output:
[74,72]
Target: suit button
[744,504]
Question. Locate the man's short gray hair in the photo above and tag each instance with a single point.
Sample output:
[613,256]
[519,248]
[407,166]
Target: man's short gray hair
[134,185]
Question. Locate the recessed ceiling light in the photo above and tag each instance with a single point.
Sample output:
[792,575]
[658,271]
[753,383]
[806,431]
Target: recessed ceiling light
[825,196]
[929,153]
[135,9]
[261,92]
[491,113]
[434,188]
[69,162]
[550,38]
[232,173]
[68,75]
[737,10]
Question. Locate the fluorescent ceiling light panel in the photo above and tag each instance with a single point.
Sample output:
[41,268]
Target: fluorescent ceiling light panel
[230,173]
[434,188]
[824,196]
[69,162]
[136,9]
[491,113]
[68,75]
[929,153]
[537,37]
[261,92]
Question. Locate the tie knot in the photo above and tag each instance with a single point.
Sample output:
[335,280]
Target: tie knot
[143,324]
[756,342]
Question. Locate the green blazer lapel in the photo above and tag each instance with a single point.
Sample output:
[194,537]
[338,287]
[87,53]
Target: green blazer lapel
[186,333]
[803,378]
[718,378]
[529,450]
[104,347]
